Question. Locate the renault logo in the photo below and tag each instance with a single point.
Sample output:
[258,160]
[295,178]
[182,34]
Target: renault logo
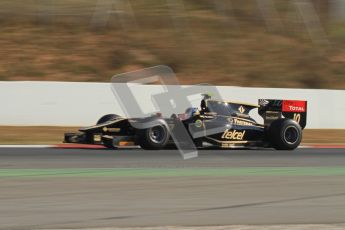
[241,109]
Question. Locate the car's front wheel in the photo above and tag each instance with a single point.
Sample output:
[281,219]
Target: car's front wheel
[153,138]
[106,118]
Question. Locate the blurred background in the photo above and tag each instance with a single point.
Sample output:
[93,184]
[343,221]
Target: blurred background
[263,43]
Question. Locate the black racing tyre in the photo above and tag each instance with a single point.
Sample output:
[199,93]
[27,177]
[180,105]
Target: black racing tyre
[153,138]
[106,118]
[285,134]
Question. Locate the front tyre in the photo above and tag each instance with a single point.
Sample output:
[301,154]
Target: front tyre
[106,118]
[153,138]
[285,134]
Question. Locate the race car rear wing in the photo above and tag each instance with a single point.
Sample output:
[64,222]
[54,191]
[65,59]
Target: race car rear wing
[272,109]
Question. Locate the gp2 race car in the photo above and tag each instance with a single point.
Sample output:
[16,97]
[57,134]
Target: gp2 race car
[223,125]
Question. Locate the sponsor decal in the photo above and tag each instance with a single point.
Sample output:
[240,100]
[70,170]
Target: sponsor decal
[207,117]
[97,138]
[115,130]
[234,144]
[227,145]
[236,121]
[294,106]
[233,135]
[241,109]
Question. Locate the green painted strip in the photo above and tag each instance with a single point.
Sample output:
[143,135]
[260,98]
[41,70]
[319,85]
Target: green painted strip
[176,172]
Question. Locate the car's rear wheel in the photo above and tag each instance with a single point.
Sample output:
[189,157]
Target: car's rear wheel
[106,118]
[285,134]
[153,138]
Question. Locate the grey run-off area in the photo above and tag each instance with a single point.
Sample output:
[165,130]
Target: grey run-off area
[232,194]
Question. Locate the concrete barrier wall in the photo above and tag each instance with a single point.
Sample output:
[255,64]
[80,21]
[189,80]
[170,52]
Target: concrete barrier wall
[80,104]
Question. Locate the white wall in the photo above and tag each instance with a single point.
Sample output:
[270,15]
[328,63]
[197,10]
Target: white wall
[79,104]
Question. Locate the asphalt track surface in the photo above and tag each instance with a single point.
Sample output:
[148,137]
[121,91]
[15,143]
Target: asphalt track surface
[71,188]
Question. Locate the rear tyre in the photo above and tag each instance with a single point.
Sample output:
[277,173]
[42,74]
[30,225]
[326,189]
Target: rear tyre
[153,138]
[106,118]
[285,134]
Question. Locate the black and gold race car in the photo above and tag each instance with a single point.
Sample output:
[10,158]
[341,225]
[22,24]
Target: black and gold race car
[219,124]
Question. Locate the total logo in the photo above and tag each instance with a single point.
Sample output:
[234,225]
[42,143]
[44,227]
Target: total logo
[233,135]
[294,106]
